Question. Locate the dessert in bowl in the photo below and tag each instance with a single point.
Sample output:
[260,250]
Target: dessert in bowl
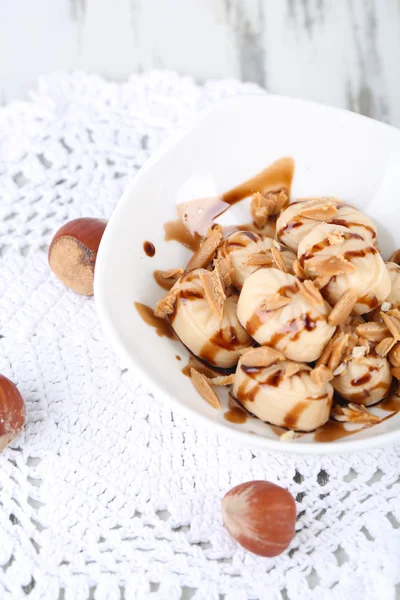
[273,295]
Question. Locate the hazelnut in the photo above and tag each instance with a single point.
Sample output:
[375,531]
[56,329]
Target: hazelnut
[73,251]
[12,412]
[261,516]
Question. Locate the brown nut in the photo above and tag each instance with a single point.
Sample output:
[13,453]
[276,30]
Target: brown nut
[12,412]
[73,251]
[261,516]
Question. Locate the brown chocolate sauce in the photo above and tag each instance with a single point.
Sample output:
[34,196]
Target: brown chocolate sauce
[331,431]
[195,217]
[178,357]
[235,415]
[149,249]
[348,224]
[291,418]
[162,326]
[289,226]
[365,378]
[165,284]
[193,363]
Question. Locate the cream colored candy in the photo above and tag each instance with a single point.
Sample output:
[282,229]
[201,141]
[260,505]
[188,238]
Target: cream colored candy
[292,227]
[241,245]
[216,341]
[366,380]
[394,273]
[366,273]
[299,329]
[292,401]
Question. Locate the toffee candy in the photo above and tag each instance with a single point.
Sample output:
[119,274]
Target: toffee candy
[366,380]
[248,251]
[217,341]
[351,262]
[278,310]
[283,394]
[292,226]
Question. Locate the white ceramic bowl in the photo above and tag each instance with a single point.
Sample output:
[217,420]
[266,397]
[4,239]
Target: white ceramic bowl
[337,153]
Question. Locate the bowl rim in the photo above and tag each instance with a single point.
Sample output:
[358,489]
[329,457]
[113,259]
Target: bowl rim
[108,327]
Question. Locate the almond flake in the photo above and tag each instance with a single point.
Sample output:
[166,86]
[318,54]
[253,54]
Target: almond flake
[203,386]
[392,324]
[260,259]
[204,255]
[386,306]
[394,356]
[338,349]
[214,291]
[277,245]
[354,413]
[319,212]
[322,281]
[342,308]
[334,265]
[225,269]
[394,312]
[385,346]
[359,351]
[341,369]
[171,274]
[291,368]
[374,332]
[395,258]
[278,260]
[259,210]
[223,380]
[166,306]
[274,302]
[310,293]
[321,375]
[298,270]
[336,237]
[262,357]
[326,354]
[287,436]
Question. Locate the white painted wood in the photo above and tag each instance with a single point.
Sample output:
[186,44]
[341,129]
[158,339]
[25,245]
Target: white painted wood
[341,52]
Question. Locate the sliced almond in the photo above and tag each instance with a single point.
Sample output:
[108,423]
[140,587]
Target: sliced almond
[340,369]
[204,255]
[321,375]
[214,292]
[203,386]
[278,260]
[333,265]
[274,302]
[385,346]
[359,351]
[223,380]
[310,293]
[386,306]
[259,210]
[298,270]
[322,281]
[338,350]
[395,258]
[319,212]
[166,306]
[393,324]
[225,268]
[373,331]
[260,259]
[291,368]
[394,356]
[342,308]
[326,354]
[171,274]
[394,312]
[354,413]
[288,436]
[336,237]
[262,357]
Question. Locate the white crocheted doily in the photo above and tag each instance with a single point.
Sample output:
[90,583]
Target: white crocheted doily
[107,494]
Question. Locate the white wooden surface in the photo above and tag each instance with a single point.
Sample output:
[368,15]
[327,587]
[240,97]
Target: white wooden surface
[341,52]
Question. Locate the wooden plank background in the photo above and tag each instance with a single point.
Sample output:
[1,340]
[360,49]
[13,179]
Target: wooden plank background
[340,52]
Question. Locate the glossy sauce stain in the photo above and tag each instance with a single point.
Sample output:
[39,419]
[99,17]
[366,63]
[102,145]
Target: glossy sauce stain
[162,326]
[149,249]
